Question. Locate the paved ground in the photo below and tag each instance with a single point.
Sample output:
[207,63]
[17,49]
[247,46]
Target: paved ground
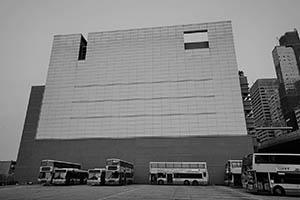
[130,192]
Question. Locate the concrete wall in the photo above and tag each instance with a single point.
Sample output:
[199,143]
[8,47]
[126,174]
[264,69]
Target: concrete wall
[215,150]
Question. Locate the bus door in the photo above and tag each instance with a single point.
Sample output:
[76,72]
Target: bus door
[102,178]
[237,180]
[263,183]
[153,178]
[169,178]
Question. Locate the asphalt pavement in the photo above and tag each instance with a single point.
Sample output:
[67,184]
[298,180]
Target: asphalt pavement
[129,192]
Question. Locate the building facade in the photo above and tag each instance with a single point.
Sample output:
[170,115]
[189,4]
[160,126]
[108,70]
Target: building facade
[260,93]
[151,94]
[277,117]
[247,103]
[287,65]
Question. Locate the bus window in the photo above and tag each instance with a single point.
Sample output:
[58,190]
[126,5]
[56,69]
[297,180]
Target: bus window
[154,165]
[161,165]
[177,165]
[185,165]
[287,178]
[194,166]
[202,166]
[161,175]
[169,165]
[59,174]
[112,168]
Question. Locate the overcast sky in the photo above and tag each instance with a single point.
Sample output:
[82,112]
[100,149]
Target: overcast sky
[27,29]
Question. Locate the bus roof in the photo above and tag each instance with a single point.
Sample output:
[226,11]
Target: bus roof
[179,162]
[102,169]
[59,161]
[118,159]
[234,160]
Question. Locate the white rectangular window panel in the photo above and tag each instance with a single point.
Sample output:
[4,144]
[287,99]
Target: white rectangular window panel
[190,37]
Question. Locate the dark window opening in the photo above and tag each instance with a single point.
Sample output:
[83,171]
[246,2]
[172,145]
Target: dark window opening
[82,49]
[195,39]
[196,45]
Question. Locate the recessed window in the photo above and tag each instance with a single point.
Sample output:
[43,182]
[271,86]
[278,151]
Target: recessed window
[195,39]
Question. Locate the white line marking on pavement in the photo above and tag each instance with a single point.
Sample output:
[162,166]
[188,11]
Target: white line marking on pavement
[107,197]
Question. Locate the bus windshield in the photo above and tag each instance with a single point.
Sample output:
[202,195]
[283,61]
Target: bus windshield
[110,174]
[44,175]
[236,164]
[60,174]
[94,174]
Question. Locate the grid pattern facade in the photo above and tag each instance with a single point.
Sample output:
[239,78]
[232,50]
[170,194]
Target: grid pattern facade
[260,93]
[143,83]
[286,67]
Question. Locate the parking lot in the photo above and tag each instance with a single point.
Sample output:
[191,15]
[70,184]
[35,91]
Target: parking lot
[132,192]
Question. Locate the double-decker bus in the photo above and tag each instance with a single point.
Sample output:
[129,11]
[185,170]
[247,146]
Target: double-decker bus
[186,173]
[69,176]
[96,176]
[273,173]
[118,172]
[233,172]
[48,166]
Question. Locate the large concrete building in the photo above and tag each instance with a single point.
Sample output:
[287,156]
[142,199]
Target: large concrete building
[151,94]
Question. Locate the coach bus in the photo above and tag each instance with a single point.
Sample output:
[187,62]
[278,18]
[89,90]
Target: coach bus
[233,172]
[273,173]
[96,176]
[48,166]
[69,176]
[118,172]
[186,173]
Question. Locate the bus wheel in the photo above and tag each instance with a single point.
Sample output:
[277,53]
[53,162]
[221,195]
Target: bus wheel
[160,182]
[279,191]
[186,182]
[195,183]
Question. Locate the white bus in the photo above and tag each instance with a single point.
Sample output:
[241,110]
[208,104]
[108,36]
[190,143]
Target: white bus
[118,172]
[96,176]
[186,173]
[273,173]
[69,176]
[48,166]
[233,172]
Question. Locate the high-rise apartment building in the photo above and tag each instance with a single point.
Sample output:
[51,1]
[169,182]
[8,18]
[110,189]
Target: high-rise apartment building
[260,93]
[151,94]
[287,65]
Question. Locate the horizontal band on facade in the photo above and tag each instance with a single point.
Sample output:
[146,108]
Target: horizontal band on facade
[138,83]
[145,115]
[143,99]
